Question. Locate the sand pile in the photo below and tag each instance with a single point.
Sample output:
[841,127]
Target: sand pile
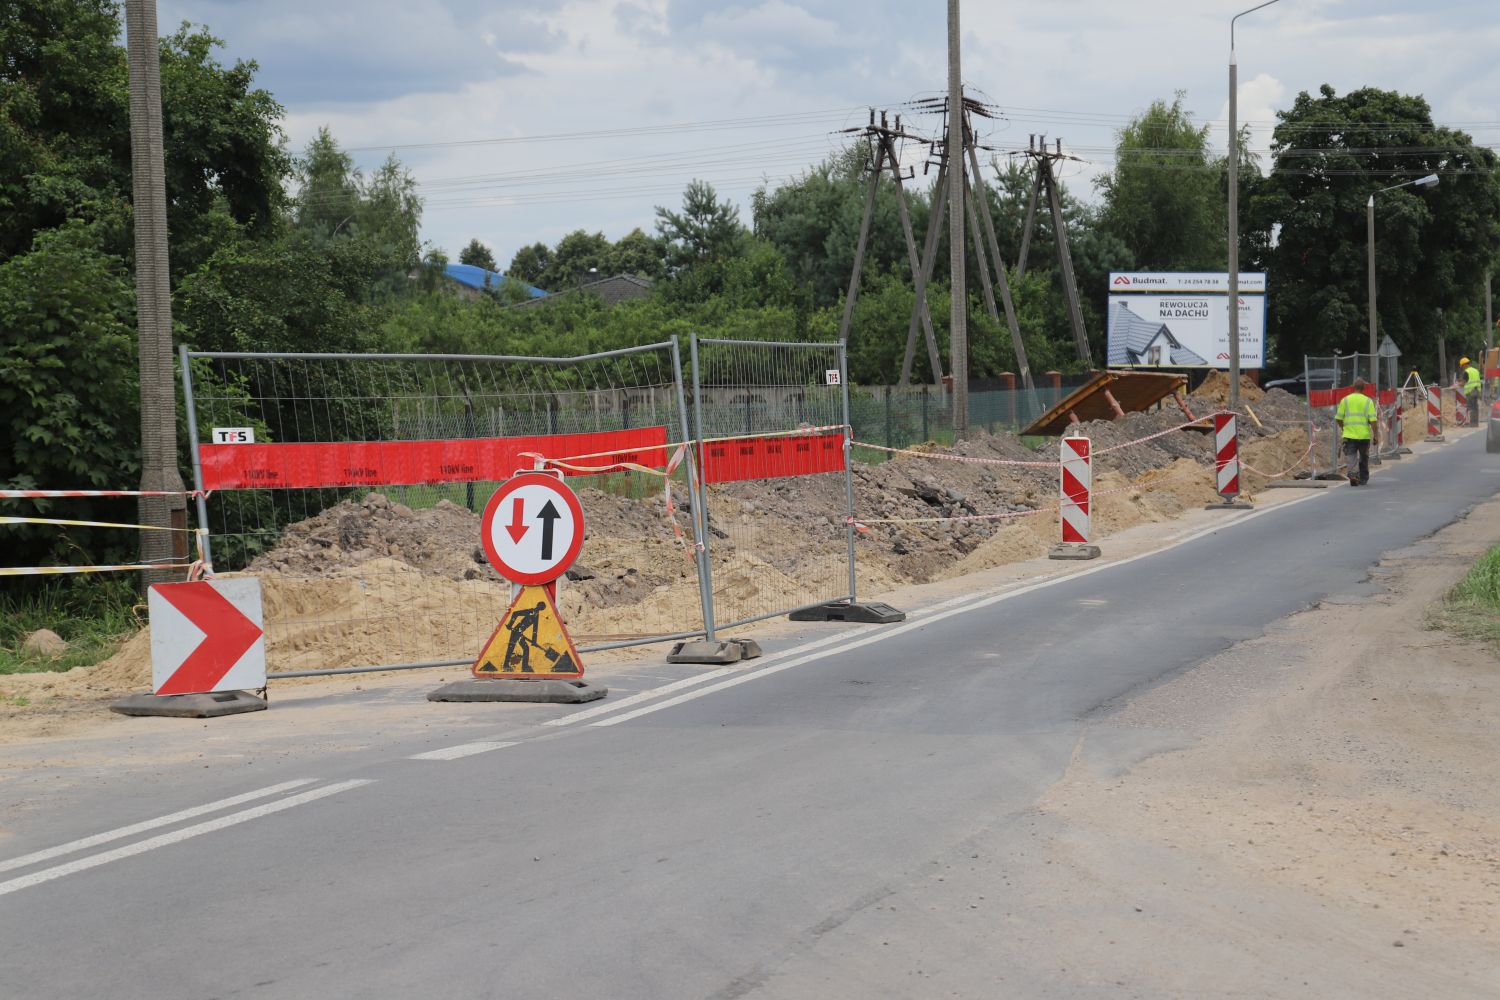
[375,581]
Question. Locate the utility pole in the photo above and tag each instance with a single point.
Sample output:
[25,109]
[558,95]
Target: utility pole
[958,329]
[1045,161]
[159,471]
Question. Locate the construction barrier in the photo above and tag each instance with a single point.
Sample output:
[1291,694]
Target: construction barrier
[1227,455]
[1434,413]
[771,420]
[1460,406]
[330,474]
[1075,481]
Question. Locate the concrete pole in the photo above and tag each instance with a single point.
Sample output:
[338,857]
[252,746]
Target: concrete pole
[1234,229]
[1489,323]
[958,332]
[159,471]
[1370,247]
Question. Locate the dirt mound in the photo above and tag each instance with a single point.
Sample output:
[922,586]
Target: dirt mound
[376,580]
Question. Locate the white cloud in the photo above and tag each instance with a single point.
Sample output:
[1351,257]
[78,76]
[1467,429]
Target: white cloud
[383,73]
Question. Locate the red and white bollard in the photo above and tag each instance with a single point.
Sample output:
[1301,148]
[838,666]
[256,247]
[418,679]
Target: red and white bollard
[1077,482]
[1227,463]
[1434,413]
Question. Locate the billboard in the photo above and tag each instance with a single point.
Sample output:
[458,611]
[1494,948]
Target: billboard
[1181,320]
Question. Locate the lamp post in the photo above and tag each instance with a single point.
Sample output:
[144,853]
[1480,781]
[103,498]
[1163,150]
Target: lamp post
[1429,181]
[1234,214]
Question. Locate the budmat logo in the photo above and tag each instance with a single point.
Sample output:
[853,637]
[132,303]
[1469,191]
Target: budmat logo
[1122,280]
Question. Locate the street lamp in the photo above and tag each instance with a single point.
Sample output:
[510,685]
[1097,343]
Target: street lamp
[1430,180]
[1234,214]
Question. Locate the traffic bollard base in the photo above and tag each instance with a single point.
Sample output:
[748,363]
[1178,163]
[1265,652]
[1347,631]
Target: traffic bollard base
[872,613]
[714,651]
[189,706]
[539,691]
[1074,550]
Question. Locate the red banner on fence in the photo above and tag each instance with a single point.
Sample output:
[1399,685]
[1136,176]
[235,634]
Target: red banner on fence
[771,458]
[1331,397]
[408,463]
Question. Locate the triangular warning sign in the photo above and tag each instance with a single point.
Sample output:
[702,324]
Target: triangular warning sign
[530,642]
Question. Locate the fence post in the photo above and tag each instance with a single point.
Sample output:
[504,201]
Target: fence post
[843,355]
[192,431]
[924,415]
[1008,379]
[700,498]
[890,441]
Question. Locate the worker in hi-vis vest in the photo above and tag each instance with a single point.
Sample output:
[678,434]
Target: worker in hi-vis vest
[1472,384]
[1357,425]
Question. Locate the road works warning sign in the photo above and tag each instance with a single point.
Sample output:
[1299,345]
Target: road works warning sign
[530,642]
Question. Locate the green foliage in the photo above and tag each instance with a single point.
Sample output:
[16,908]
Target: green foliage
[92,616]
[1433,246]
[530,264]
[706,231]
[1163,199]
[476,254]
[68,388]
[1472,608]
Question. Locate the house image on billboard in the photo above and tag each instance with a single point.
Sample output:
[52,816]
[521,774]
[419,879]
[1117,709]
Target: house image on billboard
[1134,340]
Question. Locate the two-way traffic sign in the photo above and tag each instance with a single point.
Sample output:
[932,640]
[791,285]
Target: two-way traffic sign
[206,636]
[532,528]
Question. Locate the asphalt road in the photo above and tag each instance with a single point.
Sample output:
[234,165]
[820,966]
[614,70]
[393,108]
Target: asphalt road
[687,846]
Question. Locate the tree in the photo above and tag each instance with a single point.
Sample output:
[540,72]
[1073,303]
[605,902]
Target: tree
[706,229]
[1307,218]
[531,263]
[328,188]
[638,254]
[476,254]
[68,384]
[580,257]
[1163,199]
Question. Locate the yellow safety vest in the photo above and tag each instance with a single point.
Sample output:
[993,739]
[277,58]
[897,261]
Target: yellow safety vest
[1472,385]
[1357,413]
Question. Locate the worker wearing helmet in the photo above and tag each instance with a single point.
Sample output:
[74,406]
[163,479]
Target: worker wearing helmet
[1472,384]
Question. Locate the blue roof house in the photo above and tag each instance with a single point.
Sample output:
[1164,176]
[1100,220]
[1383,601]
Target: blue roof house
[476,279]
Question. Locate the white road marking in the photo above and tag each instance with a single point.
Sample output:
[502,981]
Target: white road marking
[462,750]
[635,699]
[892,631]
[150,824]
[177,836]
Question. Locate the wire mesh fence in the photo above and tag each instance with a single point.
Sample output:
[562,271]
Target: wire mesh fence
[771,420]
[902,416]
[352,484]
[1329,380]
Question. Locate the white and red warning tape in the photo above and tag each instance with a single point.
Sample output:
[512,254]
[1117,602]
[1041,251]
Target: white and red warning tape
[44,494]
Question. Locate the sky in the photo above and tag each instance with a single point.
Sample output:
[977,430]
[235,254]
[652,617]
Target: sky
[526,121]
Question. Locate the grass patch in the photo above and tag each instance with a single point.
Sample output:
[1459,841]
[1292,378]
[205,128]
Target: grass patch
[93,616]
[1472,607]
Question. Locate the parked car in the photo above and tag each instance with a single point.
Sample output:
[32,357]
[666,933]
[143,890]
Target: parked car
[1492,436]
[1297,385]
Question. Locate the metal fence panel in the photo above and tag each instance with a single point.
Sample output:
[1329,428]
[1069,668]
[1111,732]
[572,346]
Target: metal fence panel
[358,499]
[771,419]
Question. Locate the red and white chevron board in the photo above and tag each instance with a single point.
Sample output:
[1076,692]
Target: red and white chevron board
[1434,411]
[1460,408]
[1227,454]
[1077,479]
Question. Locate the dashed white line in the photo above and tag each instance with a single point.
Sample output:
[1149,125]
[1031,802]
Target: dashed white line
[462,750]
[177,836]
[150,824]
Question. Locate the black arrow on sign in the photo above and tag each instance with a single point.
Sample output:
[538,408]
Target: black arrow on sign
[548,514]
